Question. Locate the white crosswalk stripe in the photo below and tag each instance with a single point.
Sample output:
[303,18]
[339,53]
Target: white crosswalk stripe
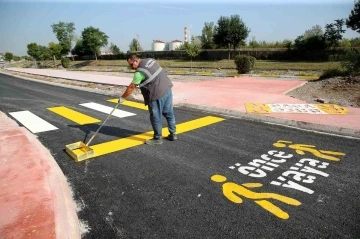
[32,122]
[107,109]
[35,124]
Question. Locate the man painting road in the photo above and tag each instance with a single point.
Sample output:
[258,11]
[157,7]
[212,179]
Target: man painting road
[155,87]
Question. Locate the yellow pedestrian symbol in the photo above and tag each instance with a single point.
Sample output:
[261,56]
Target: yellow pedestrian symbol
[233,191]
[302,148]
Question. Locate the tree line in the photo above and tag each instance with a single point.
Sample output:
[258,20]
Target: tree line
[230,33]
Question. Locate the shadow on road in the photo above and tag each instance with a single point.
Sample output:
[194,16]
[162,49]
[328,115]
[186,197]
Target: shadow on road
[118,132]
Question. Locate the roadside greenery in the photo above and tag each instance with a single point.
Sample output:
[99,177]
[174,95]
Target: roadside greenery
[8,56]
[65,62]
[192,49]
[244,64]
[230,33]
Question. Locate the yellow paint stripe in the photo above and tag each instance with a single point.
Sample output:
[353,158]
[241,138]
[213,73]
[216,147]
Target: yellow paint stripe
[139,139]
[205,73]
[308,77]
[73,115]
[130,104]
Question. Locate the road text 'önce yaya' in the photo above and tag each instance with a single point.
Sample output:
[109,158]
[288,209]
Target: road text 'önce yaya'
[301,173]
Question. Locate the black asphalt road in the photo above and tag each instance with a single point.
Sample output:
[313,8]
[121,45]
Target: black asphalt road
[166,191]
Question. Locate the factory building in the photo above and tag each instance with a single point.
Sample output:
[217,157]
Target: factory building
[158,45]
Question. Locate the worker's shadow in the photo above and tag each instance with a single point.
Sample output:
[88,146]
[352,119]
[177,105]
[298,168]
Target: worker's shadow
[117,132]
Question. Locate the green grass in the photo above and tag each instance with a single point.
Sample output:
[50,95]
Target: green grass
[223,64]
[261,67]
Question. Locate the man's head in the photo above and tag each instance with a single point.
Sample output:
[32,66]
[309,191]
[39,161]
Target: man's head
[133,61]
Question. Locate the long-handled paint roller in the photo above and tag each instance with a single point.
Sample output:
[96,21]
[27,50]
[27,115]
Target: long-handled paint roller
[80,151]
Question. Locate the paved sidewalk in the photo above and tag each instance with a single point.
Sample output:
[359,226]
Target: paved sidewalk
[229,96]
[35,200]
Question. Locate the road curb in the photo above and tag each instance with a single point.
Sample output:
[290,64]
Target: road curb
[61,212]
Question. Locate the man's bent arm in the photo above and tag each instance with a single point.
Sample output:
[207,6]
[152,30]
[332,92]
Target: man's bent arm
[129,90]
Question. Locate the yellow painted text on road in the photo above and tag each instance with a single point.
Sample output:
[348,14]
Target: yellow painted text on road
[131,104]
[139,139]
[73,115]
[233,192]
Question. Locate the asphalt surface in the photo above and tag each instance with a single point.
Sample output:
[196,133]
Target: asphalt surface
[167,191]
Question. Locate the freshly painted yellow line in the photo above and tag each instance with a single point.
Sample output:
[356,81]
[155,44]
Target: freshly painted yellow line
[308,77]
[130,104]
[73,115]
[204,73]
[139,139]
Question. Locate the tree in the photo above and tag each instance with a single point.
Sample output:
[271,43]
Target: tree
[114,49]
[8,56]
[94,39]
[221,34]
[314,31]
[287,43]
[80,50]
[16,58]
[135,45]
[207,41]
[55,51]
[230,32]
[253,43]
[65,35]
[238,32]
[45,53]
[192,49]
[333,33]
[313,43]
[353,21]
[346,43]
[34,51]
[26,58]
[355,42]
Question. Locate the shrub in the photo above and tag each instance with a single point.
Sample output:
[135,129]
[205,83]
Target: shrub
[244,63]
[65,62]
[332,72]
[352,62]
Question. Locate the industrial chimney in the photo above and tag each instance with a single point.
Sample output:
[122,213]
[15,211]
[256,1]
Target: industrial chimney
[185,34]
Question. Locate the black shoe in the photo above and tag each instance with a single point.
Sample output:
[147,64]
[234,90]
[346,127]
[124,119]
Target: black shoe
[153,141]
[172,137]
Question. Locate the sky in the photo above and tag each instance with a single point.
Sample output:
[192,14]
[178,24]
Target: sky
[24,22]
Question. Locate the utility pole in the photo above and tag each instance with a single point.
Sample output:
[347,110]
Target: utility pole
[137,42]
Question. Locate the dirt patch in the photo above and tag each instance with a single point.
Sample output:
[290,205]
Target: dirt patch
[338,90]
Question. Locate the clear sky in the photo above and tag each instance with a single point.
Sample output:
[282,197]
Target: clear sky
[23,22]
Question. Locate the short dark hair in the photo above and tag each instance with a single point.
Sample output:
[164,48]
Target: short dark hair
[132,56]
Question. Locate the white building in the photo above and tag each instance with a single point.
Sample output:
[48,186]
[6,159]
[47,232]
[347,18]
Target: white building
[174,44]
[158,45]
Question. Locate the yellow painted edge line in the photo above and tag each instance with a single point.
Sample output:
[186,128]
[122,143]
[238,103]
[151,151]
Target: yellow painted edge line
[178,72]
[130,104]
[234,74]
[73,115]
[309,77]
[139,139]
